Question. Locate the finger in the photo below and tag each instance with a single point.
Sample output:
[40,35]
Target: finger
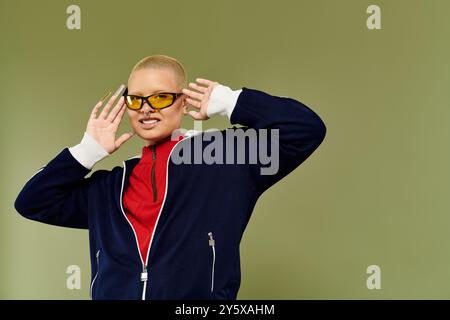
[105,96]
[205,81]
[210,86]
[197,87]
[193,102]
[119,90]
[108,106]
[193,94]
[210,90]
[123,138]
[119,115]
[197,115]
[95,110]
[194,114]
[112,115]
[98,105]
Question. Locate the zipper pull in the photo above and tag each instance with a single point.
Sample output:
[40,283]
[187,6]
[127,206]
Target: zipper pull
[211,239]
[144,275]
[144,278]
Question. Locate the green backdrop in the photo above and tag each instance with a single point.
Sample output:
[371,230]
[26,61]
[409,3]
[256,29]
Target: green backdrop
[375,192]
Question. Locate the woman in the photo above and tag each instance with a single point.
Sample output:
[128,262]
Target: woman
[160,229]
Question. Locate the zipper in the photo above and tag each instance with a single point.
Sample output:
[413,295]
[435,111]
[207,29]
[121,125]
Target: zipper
[126,218]
[212,244]
[144,273]
[97,256]
[153,172]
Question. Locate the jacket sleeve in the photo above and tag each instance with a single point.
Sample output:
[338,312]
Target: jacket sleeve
[295,131]
[57,193]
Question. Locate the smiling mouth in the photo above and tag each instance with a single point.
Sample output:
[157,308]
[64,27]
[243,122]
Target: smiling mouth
[149,124]
[151,121]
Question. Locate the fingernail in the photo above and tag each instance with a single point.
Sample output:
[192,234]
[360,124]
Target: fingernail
[119,90]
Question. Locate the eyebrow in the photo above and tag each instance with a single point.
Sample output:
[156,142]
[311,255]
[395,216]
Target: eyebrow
[139,93]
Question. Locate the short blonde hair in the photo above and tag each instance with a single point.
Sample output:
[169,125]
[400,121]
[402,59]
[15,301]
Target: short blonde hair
[160,61]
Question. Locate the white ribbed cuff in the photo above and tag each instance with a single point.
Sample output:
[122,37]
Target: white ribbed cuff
[222,101]
[88,152]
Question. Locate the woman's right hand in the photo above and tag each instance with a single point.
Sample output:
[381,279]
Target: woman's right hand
[103,128]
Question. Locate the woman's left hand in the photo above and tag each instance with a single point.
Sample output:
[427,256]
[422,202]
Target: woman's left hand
[199,100]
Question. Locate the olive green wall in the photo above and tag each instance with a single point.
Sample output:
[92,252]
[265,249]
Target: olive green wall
[374,193]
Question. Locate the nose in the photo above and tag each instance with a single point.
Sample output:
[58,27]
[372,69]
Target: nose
[146,108]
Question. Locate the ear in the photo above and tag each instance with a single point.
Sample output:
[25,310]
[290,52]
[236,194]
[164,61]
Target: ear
[184,106]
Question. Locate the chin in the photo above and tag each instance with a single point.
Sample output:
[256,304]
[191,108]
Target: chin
[152,135]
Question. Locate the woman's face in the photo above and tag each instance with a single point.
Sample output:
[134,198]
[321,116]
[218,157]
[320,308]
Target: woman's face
[145,82]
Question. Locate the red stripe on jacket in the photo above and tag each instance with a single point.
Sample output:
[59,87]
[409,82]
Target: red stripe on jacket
[138,200]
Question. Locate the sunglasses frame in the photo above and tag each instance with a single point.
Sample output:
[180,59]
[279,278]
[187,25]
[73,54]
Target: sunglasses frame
[145,99]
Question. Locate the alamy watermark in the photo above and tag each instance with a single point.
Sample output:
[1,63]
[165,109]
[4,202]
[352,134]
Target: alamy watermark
[73,281]
[235,146]
[374,280]
[373,22]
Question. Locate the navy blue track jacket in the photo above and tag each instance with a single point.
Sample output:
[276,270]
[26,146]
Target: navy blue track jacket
[194,251]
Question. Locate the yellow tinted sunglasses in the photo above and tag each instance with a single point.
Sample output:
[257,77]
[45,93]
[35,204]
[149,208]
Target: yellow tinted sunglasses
[157,101]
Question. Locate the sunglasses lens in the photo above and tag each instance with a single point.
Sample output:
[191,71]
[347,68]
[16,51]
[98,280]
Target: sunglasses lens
[133,102]
[161,100]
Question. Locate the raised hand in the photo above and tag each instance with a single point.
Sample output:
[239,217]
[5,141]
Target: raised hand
[199,99]
[103,128]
